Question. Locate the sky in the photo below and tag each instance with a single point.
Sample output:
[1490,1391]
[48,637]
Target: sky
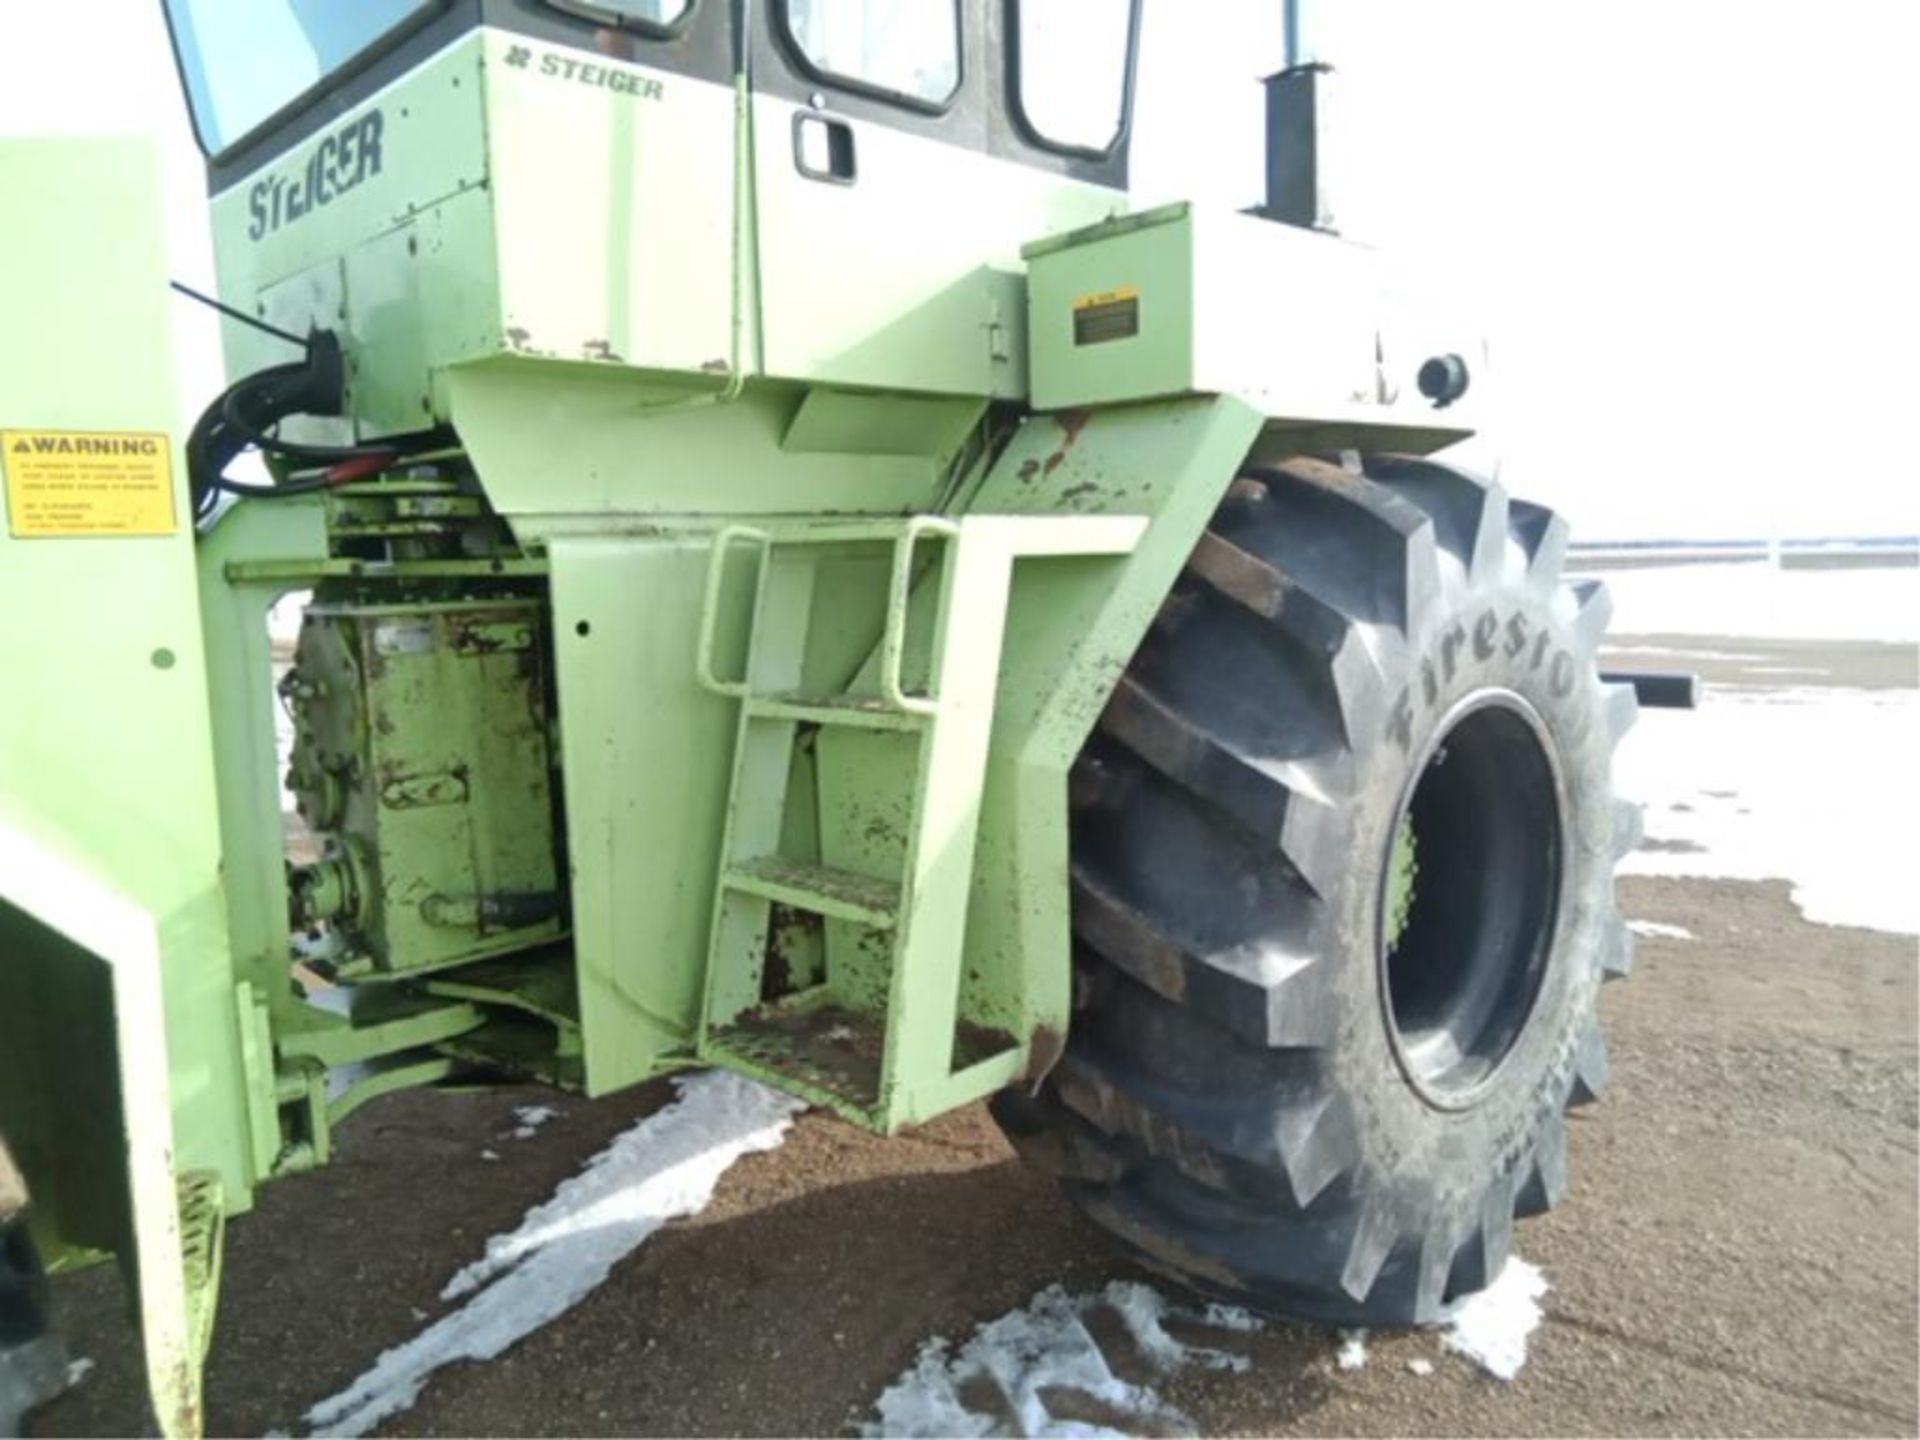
[1686,226]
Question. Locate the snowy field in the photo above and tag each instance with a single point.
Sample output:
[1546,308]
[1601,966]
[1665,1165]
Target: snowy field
[1776,776]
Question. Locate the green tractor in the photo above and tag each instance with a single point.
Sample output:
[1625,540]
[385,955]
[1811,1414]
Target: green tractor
[798,577]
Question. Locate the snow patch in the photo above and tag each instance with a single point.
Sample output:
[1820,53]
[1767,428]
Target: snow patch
[1420,1366]
[1030,1362]
[1656,930]
[78,1370]
[1815,786]
[1352,1354]
[664,1167]
[531,1118]
[1491,1327]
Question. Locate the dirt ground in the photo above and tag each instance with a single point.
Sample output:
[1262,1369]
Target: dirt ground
[1736,1254]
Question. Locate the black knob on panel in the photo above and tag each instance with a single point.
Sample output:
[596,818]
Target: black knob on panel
[1444,379]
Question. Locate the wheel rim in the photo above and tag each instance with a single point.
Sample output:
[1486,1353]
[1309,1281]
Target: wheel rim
[1462,961]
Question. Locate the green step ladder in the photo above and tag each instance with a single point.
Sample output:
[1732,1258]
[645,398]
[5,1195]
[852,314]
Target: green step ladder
[870,1021]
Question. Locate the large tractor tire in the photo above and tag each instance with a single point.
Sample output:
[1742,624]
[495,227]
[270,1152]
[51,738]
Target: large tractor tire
[1343,853]
[33,1364]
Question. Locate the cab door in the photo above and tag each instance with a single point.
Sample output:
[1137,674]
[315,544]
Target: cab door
[899,175]
[870,136]
[889,229]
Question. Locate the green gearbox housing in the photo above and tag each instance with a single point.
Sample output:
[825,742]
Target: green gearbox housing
[423,756]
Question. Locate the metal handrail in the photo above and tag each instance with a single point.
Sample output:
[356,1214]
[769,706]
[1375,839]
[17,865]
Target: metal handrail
[723,543]
[893,643]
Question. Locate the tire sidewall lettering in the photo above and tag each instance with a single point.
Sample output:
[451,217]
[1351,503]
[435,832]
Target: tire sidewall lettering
[1493,638]
[1507,642]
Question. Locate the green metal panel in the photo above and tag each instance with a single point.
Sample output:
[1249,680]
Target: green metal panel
[853,422]
[645,753]
[402,262]
[615,212]
[1143,262]
[570,450]
[507,215]
[83,982]
[233,610]
[113,763]
[429,144]
[1074,624]
[107,815]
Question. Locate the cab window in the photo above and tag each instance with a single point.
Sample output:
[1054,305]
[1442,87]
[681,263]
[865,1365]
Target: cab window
[907,50]
[242,60]
[1073,61]
[640,14]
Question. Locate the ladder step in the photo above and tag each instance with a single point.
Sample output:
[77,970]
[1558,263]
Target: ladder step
[820,889]
[867,712]
[825,1053]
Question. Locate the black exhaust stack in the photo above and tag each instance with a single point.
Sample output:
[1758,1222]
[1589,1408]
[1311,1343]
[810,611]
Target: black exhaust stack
[1298,192]
[1297,189]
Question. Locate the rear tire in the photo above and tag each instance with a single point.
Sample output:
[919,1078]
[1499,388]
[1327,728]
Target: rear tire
[1284,1085]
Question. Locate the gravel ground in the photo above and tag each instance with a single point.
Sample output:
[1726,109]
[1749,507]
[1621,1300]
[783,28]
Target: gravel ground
[1736,1255]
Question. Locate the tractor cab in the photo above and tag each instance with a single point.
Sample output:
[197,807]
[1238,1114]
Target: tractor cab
[834,191]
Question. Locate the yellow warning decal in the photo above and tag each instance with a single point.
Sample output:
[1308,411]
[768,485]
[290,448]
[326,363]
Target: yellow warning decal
[1106,315]
[87,482]
[1107,297]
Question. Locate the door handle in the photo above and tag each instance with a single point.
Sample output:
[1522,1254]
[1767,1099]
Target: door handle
[823,148]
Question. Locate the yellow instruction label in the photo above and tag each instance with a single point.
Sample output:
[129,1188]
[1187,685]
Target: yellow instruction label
[1106,315]
[86,482]
[1107,297]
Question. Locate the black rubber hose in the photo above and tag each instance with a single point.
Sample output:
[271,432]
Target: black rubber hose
[243,416]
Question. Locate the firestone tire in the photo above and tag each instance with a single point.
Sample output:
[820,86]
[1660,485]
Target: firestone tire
[1273,1089]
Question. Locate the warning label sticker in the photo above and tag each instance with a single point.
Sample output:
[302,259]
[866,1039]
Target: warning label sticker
[1108,315]
[83,482]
